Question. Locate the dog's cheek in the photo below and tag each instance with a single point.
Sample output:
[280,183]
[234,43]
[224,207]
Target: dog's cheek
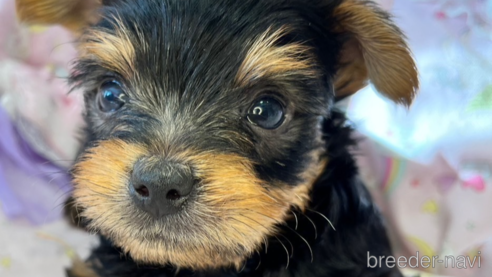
[249,209]
[101,177]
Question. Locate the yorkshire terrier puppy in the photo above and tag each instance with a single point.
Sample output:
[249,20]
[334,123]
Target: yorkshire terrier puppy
[212,147]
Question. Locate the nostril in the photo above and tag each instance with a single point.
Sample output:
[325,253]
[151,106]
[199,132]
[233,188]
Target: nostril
[143,191]
[173,195]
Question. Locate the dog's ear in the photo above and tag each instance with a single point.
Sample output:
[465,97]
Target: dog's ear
[72,14]
[373,49]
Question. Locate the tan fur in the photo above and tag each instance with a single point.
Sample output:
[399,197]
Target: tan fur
[376,50]
[73,14]
[233,213]
[81,269]
[264,59]
[352,74]
[114,51]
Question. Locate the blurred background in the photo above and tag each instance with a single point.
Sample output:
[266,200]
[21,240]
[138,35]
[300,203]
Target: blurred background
[429,168]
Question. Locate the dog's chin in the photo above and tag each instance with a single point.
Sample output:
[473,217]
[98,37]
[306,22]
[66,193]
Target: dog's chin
[162,252]
[194,250]
[191,239]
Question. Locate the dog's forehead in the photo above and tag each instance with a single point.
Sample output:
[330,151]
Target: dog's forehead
[187,44]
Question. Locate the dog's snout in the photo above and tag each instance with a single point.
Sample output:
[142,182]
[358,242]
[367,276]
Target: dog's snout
[161,187]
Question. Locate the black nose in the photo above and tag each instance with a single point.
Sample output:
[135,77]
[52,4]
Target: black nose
[161,187]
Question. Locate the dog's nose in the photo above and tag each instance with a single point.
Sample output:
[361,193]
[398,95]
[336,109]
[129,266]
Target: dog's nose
[161,187]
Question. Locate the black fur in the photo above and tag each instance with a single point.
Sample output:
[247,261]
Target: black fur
[338,194]
[199,45]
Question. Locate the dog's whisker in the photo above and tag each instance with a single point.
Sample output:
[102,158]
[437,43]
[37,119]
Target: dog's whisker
[298,197]
[314,226]
[283,224]
[244,266]
[291,245]
[286,251]
[265,240]
[305,241]
[261,225]
[259,264]
[322,215]
[297,222]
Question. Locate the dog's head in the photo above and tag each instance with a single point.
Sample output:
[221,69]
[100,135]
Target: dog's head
[204,117]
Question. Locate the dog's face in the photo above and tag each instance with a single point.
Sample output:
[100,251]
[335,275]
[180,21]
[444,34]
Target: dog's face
[204,116]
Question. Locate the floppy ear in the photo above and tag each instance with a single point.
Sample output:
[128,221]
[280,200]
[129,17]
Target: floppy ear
[373,49]
[72,14]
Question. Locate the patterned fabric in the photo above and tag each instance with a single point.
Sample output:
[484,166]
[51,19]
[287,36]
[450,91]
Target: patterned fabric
[430,168]
[37,118]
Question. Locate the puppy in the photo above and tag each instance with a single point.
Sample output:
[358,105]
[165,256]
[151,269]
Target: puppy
[212,147]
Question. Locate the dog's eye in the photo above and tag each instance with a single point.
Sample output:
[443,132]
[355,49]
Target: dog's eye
[267,113]
[110,96]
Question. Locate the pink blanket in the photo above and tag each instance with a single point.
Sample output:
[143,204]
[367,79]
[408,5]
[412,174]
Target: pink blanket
[430,168]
